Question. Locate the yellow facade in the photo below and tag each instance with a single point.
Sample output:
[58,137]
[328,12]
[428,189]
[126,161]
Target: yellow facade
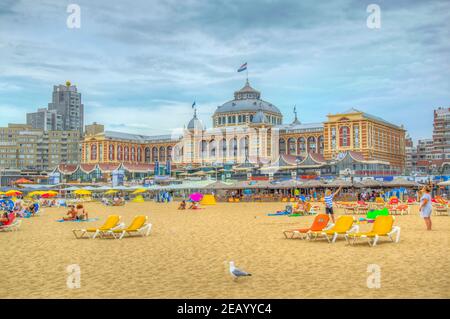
[357,131]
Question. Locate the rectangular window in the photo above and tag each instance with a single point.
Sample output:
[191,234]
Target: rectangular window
[356,136]
[333,138]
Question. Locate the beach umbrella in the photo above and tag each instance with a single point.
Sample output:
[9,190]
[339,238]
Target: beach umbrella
[111,192]
[13,192]
[36,193]
[48,195]
[82,192]
[23,181]
[139,191]
[196,197]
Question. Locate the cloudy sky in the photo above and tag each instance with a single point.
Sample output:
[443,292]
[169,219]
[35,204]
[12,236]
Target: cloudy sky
[141,63]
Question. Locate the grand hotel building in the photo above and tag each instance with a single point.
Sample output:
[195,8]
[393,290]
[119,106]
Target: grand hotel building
[249,132]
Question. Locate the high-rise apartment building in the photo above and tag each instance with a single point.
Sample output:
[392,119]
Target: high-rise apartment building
[441,139]
[23,147]
[66,100]
[44,119]
[411,156]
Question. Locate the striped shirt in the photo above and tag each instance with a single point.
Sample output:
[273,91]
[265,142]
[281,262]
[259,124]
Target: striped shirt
[329,201]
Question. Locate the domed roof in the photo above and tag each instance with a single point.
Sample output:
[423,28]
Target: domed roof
[247,99]
[195,123]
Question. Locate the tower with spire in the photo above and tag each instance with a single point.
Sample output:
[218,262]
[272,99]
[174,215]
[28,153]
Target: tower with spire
[296,121]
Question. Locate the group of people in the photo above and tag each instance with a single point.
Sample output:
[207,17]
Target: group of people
[76,213]
[194,205]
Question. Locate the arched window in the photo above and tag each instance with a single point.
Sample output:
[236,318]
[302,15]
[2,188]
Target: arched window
[292,146]
[119,152]
[126,156]
[111,152]
[147,155]
[162,154]
[311,144]
[212,149]
[301,145]
[223,148]
[344,136]
[169,153]
[233,147]
[243,146]
[154,154]
[93,152]
[139,154]
[133,154]
[282,146]
[203,148]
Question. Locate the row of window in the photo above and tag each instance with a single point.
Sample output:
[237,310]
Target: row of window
[126,153]
[301,145]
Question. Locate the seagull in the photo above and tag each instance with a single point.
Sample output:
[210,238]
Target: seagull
[236,273]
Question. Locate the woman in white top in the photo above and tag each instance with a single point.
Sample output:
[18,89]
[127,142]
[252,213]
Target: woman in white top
[425,207]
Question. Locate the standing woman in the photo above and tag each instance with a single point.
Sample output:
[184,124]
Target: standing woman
[425,207]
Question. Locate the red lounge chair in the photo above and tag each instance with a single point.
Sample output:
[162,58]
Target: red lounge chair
[319,224]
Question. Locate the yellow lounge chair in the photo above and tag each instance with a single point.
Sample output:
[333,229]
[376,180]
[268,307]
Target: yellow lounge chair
[343,226]
[383,226]
[111,223]
[139,225]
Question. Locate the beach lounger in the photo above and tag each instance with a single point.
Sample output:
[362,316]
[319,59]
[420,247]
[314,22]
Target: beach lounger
[111,223]
[319,224]
[383,226]
[344,225]
[138,226]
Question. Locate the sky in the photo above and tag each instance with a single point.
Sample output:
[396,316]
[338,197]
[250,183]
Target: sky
[140,64]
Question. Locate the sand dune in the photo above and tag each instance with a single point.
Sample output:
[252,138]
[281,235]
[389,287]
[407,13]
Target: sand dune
[187,256]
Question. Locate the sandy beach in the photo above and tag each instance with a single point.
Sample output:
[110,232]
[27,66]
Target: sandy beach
[187,255]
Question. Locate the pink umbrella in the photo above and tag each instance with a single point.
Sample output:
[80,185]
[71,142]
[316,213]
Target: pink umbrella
[196,197]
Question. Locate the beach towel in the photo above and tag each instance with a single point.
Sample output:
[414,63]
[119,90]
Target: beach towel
[78,220]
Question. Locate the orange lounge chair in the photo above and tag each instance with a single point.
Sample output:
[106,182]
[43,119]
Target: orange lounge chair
[319,224]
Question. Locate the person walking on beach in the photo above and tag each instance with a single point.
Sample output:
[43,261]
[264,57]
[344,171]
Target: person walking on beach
[425,207]
[329,202]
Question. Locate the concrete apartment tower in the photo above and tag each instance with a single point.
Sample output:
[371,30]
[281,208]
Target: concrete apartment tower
[44,119]
[67,102]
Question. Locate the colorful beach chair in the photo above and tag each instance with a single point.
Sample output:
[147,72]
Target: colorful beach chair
[319,224]
[383,226]
[344,225]
[138,226]
[111,223]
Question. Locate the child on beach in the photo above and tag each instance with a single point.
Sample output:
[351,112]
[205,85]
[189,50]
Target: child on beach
[182,205]
[329,202]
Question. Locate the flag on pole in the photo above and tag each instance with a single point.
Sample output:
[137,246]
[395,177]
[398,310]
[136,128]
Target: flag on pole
[193,104]
[243,67]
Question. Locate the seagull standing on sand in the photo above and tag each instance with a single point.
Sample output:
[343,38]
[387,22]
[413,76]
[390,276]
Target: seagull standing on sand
[236,273]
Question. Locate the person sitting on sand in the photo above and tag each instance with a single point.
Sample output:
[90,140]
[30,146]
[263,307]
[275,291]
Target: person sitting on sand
[72,213]
[81,212]
[18,208]
[182,205]
[4,218]
[194,205]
